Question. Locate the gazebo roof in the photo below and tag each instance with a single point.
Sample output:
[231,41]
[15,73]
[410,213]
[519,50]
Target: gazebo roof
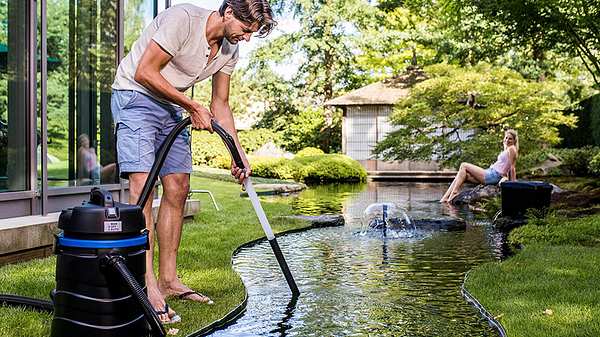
[386,92]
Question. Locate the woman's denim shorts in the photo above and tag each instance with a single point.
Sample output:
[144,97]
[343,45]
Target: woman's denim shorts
[142,123]
[492,177]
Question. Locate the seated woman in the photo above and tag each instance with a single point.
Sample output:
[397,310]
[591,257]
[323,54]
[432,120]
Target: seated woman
[502,169]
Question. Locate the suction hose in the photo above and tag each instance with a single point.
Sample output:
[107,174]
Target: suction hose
[117,263]
[237,158]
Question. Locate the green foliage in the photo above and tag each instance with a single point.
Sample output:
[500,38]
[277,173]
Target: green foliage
[309,151]
[435,121]
[332,168]
[594,165]
[556,230]
[532,159]
[311,169]
[587,131]
[577,161]
[134,24]
[324,51]
[277,168]
[304,129]
[253,139]
[563,25]
[208,149]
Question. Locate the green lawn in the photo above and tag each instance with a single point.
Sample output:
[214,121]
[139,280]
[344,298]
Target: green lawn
[551,287]
[204,263]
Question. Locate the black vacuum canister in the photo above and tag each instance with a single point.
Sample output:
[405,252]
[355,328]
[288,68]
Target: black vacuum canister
[91,299]
[518,196]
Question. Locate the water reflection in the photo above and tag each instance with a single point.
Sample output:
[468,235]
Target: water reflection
[356,285]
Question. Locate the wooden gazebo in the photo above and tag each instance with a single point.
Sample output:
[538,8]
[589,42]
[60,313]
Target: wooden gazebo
[366,113]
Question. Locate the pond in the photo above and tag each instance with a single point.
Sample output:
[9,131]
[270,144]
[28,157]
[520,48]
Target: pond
[357,285]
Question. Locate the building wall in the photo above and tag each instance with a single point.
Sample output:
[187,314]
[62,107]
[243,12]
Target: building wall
[366,125]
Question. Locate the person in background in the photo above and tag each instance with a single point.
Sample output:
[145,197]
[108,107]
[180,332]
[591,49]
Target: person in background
[502,169]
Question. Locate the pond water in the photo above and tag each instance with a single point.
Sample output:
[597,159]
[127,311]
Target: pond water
[363,285]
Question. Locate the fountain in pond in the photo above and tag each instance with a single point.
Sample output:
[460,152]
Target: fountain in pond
[387,219]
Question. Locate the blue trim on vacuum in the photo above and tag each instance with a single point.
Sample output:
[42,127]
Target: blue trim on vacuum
[136,241]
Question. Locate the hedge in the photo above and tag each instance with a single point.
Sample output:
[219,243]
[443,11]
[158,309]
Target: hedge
[309,151]
[325,168]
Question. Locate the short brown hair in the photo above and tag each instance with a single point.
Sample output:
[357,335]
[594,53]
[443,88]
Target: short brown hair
[251,11]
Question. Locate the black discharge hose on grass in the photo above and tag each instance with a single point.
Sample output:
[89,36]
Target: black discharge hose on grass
[28,302]
[117,263]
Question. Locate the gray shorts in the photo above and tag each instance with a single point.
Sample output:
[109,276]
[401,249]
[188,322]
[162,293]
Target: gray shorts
[141,124]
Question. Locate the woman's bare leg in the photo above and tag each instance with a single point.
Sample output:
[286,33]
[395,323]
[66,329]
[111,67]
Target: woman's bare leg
[448,191]
[466,169]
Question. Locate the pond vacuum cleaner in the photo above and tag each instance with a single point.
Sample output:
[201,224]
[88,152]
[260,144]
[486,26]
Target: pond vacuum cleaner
[100,266]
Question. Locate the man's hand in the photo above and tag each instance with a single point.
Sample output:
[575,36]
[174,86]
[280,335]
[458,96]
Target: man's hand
[201,116]
[238,173]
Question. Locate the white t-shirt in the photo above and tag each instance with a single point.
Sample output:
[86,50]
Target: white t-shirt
[180,31]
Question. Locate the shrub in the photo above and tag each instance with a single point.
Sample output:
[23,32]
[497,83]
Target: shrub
[310,169]
[527,162]
[333,168]
[278,168]
[304,129]
[594,165]
[206,148]
[577,161]
[556,230]
[309,151]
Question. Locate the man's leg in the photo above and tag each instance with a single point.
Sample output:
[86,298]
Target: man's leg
[136,184]
[176,187]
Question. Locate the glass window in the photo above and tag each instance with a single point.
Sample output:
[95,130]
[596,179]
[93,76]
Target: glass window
[14,49]
[138,15]
[82,44]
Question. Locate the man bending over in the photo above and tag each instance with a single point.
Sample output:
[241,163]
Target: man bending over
[184,44]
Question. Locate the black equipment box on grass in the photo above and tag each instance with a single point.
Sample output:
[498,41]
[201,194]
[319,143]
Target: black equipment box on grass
[518,196]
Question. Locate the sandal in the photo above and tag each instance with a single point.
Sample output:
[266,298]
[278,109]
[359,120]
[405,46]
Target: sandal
[173,319]
[185,295]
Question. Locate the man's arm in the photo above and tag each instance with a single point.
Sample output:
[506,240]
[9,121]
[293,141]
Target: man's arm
[148,74]
[219,106]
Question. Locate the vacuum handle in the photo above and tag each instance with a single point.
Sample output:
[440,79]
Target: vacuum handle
[101,197]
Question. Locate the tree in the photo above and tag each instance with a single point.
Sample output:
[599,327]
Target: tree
[325,50]
[459,114]
[544,25]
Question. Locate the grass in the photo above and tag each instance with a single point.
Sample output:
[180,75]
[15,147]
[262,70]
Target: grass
[549,288]
[204,263]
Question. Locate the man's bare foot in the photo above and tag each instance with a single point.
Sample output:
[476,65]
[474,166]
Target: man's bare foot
[158,303]
[181,291]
